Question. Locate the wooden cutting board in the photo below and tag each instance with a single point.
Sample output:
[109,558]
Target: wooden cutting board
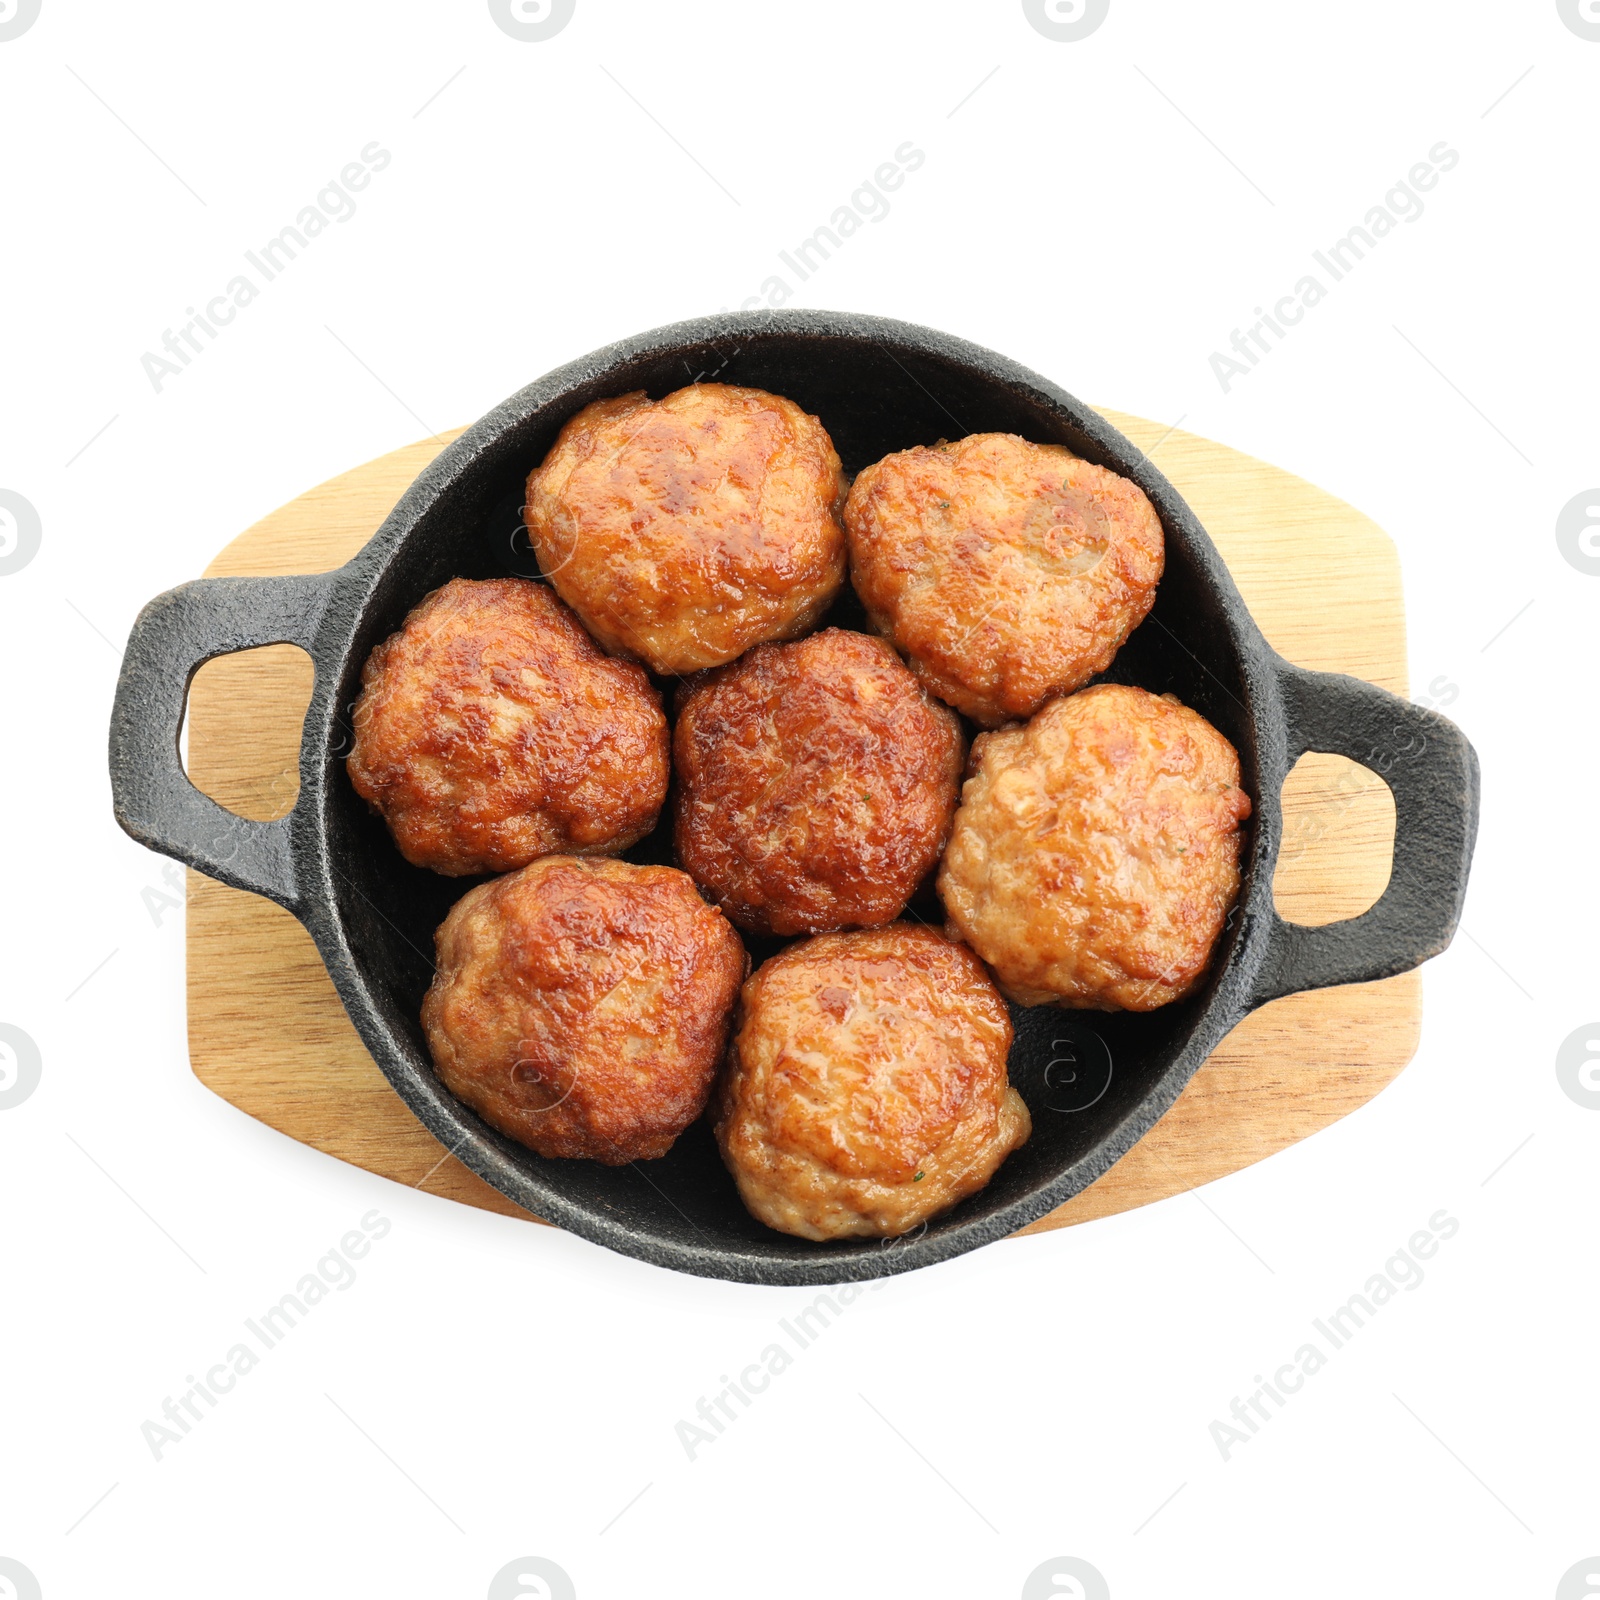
[268,1033]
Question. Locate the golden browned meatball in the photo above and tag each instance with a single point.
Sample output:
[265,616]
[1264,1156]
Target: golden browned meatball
[866,1088]
[685,530]
[816,783]
[1008,572]
[581,1005]
[1096,851]
[490,731]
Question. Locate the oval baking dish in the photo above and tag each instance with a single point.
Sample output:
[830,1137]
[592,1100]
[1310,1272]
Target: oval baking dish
[878,386]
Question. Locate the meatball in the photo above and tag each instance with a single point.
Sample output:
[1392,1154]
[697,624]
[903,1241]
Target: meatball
[490,731]
[1096,852]
[685,530]
[1008,572]
[582,1005]
[866,1088]
[816,784]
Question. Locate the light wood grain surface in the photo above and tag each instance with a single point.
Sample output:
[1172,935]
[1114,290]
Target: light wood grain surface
[268,1033]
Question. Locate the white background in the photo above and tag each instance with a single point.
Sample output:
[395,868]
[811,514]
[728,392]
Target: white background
[507,1390]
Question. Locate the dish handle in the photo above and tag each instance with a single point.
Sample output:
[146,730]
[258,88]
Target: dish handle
[174,636]
[1433,772]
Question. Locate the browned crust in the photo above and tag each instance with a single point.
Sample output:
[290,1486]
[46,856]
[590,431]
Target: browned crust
[1007,572]
[581,1006]
[816,784]
[687,529]
[866,1088]
[1096,853]
[490,731]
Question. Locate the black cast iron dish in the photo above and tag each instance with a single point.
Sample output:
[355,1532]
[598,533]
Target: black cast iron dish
[1094,1083]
